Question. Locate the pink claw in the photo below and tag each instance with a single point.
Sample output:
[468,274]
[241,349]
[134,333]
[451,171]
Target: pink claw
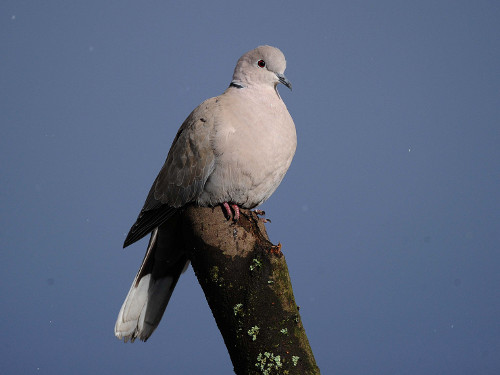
[262,213]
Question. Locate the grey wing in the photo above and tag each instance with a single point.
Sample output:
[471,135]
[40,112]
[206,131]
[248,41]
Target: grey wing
[181,180]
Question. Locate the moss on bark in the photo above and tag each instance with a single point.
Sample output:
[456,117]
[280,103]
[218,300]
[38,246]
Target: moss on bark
[247,285]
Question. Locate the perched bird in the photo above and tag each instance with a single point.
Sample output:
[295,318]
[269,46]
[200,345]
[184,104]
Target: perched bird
[232,150]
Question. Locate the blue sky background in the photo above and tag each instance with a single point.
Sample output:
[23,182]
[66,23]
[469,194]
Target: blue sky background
[389,214]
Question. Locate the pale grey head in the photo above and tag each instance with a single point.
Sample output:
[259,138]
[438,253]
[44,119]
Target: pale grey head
[264,65]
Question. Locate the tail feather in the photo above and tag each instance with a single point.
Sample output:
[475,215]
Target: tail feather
[152,288]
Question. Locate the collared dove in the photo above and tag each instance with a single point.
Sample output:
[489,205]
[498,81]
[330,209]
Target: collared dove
[233,150]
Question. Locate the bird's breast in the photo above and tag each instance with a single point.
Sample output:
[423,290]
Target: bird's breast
[254,145]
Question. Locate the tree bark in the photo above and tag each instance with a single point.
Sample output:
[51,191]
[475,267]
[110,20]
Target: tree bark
[246,282]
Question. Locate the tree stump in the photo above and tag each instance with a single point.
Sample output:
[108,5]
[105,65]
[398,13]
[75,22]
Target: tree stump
[246,283]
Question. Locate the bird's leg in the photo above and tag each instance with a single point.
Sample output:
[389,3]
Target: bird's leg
[228,210]
[236,210]
[229,213]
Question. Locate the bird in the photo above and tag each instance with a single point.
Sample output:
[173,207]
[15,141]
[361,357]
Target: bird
[233,150]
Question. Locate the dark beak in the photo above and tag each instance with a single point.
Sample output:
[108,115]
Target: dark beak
[283,80]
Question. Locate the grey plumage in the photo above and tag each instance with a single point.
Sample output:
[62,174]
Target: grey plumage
[233,148]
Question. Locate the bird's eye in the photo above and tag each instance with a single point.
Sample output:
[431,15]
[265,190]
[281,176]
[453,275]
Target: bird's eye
[261,63]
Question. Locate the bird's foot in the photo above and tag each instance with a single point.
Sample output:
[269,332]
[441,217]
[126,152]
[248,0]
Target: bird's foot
[262,213]
[229,213]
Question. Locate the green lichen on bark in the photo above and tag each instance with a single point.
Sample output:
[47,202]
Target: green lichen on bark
[246,282]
